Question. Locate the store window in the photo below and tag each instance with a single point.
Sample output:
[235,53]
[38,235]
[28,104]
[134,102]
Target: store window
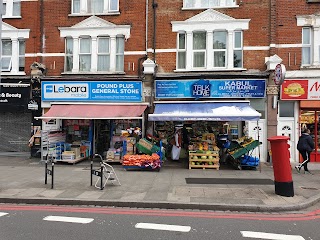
[87,51]
[259,104]
[310,35]
[196,4]
[95,6]
[11,8]
[286,109]
[214,46]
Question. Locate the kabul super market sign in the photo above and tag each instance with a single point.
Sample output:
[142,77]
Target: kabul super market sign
[245,88]
[130,91]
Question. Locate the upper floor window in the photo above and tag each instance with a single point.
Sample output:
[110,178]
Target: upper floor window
[12,60]
[11,8]
[196,4]
[94,50]
[210,50]
[101,54]
[306,46]
[310,40]
[217,46]
[94,6]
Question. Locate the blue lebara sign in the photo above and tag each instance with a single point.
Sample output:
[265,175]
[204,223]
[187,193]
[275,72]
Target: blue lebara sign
[92,91]
[246,88]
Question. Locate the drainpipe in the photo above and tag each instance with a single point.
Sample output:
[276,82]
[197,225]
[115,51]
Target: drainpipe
[154,6]
[41,29]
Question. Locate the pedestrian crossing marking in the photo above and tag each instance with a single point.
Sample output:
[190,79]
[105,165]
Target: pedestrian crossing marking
[3,214]
[68,219]
[270,236]
[165,227]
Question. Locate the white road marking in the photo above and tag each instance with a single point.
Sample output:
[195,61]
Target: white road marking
[3,214]
[68,219]
[270,236]
[155,226]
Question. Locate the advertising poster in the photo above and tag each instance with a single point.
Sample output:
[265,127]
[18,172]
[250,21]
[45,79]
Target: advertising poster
[308,89]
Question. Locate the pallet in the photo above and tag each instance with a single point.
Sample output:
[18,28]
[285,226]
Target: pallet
[214,160]
[215,166]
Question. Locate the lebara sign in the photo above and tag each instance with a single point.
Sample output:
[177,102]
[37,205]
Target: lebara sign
[242,88]
[92,91]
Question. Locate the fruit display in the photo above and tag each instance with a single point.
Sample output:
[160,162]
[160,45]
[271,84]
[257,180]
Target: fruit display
[142,161]
[204,159]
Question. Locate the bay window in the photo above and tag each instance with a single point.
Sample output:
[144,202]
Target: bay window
[6,55]
[103,54]
[119,54]
[209,45]
[85,54]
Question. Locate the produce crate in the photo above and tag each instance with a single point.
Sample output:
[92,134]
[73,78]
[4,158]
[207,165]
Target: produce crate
[204,160]
[147,147]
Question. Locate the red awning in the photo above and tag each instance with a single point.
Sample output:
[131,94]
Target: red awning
[94,111]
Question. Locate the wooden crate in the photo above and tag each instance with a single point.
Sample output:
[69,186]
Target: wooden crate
[214,160]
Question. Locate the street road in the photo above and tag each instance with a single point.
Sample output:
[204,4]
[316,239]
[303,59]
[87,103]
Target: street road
[21,222]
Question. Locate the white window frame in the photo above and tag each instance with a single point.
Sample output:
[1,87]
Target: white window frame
[85,54]
[119,55]
[240,48]
[204,4]
[201,50]
[107,53]
[181,50]
[306,45]
[84,8]
[8,7]
[219,50]
[68,55]
[310,22]
[200,22]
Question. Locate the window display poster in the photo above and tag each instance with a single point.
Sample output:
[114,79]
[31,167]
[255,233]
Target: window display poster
[300,89]
[210,88]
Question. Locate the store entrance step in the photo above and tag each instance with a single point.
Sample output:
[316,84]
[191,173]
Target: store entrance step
[247,181]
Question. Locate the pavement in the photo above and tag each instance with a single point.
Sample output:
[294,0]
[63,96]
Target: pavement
[22,180]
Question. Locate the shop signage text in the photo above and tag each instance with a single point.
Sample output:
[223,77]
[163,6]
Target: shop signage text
[14,98]
[307,89]
[210,88]
[92,91]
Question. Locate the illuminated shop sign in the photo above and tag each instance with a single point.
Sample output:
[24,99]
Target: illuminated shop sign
[307,89]
[244,88]
[92,91]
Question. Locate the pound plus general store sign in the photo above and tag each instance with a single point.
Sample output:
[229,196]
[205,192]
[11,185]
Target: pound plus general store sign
[92,91]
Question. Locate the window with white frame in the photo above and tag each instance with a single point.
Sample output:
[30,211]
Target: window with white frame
[11,8]
[238,50]
[98,59]
[209,45]
[198,4]
[22,50]
[94,6]
[201,51]
[181,51]
[8,57]
[310,40]
[90,49]
[104,54]
[306,46]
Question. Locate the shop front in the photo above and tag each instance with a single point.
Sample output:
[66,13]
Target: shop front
[208,110]
[15,118]
[306,93]
[82,118]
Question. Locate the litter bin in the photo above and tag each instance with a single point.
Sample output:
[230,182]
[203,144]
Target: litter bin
[281,165]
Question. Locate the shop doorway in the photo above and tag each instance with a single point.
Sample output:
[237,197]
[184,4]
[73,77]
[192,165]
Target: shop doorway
[258,131]
[311,119]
